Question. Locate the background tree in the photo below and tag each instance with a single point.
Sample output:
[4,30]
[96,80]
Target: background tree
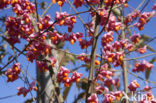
[95,47]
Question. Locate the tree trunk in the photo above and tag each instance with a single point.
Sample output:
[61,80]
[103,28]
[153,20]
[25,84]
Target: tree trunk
[48,89]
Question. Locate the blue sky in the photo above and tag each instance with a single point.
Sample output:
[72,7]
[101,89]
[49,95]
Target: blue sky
[7,89]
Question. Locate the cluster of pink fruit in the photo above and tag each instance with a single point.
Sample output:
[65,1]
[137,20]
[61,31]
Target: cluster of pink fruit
[12,73]
[113,53]
[24,91]
[62,76]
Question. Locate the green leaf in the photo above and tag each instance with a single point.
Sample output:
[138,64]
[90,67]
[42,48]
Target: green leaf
[83,83]
[29,100]
[110,88]
[1,30]
[43,5]
[147,74]
[153,60]
[66,57]
[72,58]
[150,48]
[117,11]
[66,92]
[128,31]
[78,86]
[80,96]
[60,45]
[142,40]
[145,37]
[2,72]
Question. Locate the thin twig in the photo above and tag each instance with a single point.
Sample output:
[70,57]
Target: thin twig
[107,19]
[140,57]
[46,9]
[124,64]
[79,16]
[141,77]
[145,5]
[36,10]
[6,97]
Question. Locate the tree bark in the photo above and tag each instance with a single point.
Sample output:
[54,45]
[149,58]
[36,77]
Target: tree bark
[48,89]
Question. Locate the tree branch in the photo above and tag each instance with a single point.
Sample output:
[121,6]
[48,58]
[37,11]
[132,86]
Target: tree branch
[90,86]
